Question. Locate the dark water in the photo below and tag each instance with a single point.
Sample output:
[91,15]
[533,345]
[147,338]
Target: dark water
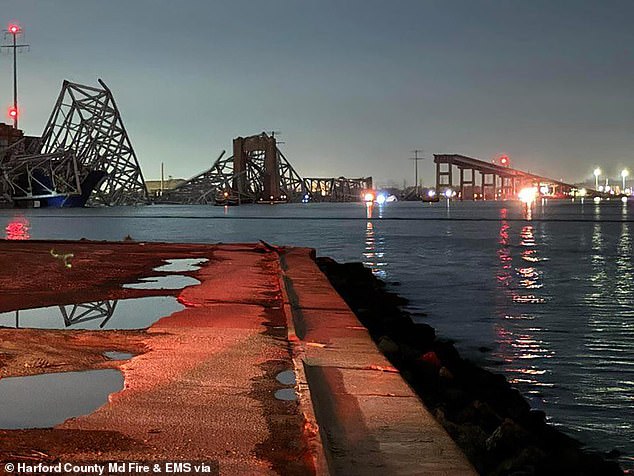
[41,401]
[550,296]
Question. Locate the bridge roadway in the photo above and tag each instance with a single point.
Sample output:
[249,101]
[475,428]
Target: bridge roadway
[496,181]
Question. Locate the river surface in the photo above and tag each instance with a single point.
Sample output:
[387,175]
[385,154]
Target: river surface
[545,297]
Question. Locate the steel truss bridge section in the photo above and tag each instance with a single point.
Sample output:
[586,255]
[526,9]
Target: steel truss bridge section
[495,181]
[259,172]
[86,120]
[41,176]
[338,189]
[203,188]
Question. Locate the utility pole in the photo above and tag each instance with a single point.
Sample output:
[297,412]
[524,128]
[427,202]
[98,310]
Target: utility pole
[416,158]
[14,30]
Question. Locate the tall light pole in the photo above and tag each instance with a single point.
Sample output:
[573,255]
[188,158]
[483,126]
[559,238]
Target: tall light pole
[14,30]
[624,174]
[416,158]
[597,173]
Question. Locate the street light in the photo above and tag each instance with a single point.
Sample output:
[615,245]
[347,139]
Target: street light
[597,173]
[624,174]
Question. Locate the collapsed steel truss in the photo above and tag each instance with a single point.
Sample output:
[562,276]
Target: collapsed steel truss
[202,188]
[84,149]
[258,171]
[50,175]
[86,120]
[339,189]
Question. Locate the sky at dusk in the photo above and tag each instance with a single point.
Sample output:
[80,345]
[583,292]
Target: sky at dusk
[353,86]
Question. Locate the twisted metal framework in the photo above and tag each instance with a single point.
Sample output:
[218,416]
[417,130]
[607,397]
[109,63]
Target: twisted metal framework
[258,171]
[202,188]
[339,189]
[291,183]
[86,120]
[43,176]
[84,155]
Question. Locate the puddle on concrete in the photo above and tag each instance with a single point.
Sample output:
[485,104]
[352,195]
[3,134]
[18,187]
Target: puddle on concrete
[113,314]
[181,265]
[287,377]
[116,355]
[175,281]
[42,401]
[286,394]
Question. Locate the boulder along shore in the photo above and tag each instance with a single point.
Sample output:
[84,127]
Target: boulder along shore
[488,418]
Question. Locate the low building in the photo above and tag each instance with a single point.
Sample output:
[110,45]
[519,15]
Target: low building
[156,188]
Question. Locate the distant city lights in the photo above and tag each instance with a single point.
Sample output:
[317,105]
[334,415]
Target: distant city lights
[381,198]
[368,197]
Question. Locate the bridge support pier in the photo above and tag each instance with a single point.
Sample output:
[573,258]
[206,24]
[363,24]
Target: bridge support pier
[464,181]
[260,149]
[444,178]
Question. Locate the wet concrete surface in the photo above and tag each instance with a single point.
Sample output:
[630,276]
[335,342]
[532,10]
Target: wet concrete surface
[204,382]
[201,385]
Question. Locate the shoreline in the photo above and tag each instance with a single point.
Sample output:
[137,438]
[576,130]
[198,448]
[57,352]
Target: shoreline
[490,420]
[259,310]
[203,382]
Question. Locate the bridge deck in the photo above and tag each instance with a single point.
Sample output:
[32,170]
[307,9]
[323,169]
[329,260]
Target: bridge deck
[464,162]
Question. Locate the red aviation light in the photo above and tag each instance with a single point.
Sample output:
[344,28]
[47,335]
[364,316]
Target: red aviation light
[14,29]
[504,161]
[13,112]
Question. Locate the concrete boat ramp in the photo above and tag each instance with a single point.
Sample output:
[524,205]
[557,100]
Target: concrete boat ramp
[204,384]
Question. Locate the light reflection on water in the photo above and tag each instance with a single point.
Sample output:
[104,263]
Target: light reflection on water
[552,298]
[569,346]
[17,228]
[373,255]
